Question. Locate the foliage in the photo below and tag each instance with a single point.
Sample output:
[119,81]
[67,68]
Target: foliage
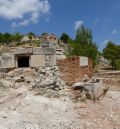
[31,34]
[112,53]
[44,33]
[8,38]
[65,37]
[36,43]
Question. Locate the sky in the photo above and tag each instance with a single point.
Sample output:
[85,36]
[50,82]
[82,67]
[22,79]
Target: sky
[58,16]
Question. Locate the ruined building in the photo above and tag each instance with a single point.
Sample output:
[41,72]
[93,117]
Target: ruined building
[72,69]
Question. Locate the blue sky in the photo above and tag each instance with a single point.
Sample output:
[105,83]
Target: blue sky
[58,16]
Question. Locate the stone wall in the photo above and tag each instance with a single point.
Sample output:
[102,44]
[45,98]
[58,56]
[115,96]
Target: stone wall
[38,57]
[72,72]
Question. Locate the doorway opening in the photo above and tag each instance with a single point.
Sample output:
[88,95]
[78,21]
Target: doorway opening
[23,61]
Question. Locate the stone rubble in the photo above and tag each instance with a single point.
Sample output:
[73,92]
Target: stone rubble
[44,80]
[40,99]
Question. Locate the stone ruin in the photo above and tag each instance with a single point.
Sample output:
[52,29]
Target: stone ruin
[28,57]
[33,67]
[39,70]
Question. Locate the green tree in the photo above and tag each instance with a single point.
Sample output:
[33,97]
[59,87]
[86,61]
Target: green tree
[112,53]
[44,33]
[65,37]
[84,45]
[1,38]
[18,36]
[31,34]
[7,37]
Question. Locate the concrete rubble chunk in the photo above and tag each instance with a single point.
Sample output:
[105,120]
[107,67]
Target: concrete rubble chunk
[93,90]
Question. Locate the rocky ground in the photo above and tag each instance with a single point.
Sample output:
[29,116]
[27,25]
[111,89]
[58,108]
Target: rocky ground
[22,107]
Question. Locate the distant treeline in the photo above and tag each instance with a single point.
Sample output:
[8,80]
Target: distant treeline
[7,37]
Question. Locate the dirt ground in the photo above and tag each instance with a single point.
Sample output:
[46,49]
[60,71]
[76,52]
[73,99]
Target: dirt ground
[26,111]
[21,109]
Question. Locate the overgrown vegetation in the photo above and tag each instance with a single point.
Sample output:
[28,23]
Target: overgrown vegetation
[112,53]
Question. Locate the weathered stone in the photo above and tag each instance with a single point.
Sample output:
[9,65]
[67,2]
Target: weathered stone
[38,51]
[57,84]
[100,89]
[56,89]
[42,71]
[7,61]
[48,82]
[50,51]
[52,60]
[37,60]
[91,90]
[48,73]
[37,80]
[57,74]
[23,51]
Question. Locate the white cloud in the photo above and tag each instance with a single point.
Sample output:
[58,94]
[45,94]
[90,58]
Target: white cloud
[114,31]
[18,9]
[22,23]
[78,24]
[103,44]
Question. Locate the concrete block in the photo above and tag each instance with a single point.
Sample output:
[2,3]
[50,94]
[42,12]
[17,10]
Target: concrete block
[23,51]
[50,51]
[83,61]
[7,61]
[37,60]
[38,51]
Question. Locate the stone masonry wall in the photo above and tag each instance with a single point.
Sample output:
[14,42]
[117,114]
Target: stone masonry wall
[72,72]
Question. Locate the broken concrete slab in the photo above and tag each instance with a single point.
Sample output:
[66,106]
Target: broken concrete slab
[91,90]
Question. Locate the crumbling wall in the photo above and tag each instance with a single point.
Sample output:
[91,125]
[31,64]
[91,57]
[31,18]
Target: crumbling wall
[72,72]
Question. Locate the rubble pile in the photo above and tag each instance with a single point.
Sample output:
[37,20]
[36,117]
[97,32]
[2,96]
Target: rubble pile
[44,80]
